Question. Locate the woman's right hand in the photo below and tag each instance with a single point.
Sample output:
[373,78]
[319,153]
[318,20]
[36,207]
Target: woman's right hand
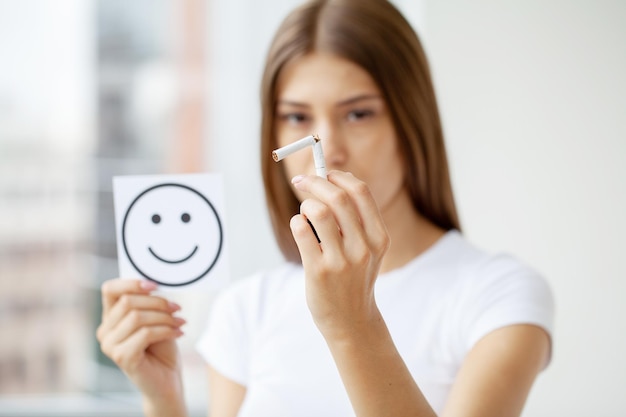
[138,332]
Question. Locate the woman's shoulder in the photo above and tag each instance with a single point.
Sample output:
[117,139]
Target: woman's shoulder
[486,277]
[499,289]
[473,262]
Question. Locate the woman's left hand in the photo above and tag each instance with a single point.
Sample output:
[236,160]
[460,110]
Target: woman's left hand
[342,268]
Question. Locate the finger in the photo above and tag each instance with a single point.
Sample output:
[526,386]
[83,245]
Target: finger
[340,201]
[137,319]
[305,239]
[361,196]
[133,348]
[323,221]
[128,302]
[113,289]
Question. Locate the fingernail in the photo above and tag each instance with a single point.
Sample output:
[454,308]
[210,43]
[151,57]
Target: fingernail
[297,179]
[174,306]
[180,321]
[148,285]
[179,332]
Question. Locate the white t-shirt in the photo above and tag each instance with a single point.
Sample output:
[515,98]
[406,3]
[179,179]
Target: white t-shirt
[261,333]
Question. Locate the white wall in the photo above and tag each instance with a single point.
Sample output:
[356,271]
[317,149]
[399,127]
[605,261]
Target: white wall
[533,97]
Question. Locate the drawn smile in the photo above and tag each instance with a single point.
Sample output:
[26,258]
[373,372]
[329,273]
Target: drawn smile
[173,262]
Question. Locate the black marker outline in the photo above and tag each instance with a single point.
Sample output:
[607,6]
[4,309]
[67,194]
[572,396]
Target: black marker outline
[173,262]
[219,224]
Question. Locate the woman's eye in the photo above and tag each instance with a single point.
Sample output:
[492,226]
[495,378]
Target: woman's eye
[357,115]
[294,118]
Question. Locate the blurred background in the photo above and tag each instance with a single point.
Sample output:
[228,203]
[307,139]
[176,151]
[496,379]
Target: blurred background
[533,99]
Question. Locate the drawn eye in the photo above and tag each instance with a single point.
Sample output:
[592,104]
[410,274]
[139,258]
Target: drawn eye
[185,218]
[156,219]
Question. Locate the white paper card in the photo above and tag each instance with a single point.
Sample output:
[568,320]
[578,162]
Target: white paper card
[170,229]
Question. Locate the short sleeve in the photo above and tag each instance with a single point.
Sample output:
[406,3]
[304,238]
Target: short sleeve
[224,344]
[504,292]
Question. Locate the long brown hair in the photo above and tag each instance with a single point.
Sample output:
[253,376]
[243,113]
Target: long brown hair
[374,35]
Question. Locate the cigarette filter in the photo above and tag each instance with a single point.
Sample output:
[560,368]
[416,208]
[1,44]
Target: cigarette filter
[318,159]
[286,150]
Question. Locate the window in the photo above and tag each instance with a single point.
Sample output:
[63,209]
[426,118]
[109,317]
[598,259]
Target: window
[102,88]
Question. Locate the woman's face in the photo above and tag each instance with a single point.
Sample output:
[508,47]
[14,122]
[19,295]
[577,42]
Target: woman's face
[338,100]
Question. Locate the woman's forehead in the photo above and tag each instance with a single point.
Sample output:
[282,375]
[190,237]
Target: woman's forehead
[321,75]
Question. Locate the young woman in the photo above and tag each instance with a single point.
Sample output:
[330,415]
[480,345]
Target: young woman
[392,312]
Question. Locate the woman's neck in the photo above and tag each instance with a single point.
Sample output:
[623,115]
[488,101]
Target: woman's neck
[411,234]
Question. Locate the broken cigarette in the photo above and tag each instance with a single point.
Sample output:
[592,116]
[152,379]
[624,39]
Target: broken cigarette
[318,154]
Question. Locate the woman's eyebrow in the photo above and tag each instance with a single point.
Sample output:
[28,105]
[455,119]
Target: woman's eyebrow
[358,98]
[345,102]
[291,103]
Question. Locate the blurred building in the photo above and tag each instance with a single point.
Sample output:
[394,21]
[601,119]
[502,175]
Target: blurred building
[45,226]
[103,88]
[46,203]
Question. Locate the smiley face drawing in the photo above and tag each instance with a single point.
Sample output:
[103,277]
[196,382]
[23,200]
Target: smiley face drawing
[172,234]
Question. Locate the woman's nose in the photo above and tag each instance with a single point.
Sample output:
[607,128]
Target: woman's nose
[334,148]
